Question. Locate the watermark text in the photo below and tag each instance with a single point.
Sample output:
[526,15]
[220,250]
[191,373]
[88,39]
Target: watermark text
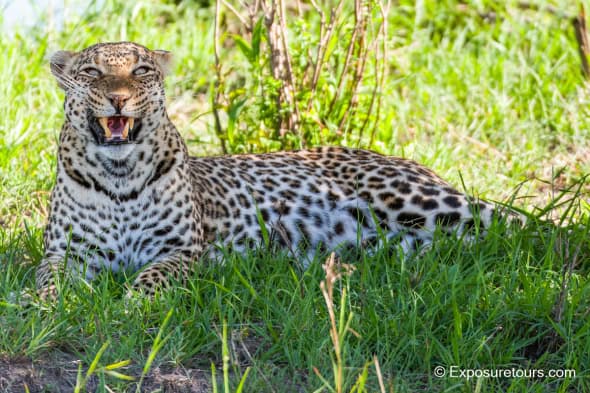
[470,373]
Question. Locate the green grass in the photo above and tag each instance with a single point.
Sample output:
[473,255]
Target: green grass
[488,105]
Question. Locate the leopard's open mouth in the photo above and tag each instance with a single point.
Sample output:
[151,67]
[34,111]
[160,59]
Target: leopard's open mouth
[115,130]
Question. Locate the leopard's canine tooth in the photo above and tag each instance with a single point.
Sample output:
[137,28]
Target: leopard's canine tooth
[104,124]
[131,122]
[125,130]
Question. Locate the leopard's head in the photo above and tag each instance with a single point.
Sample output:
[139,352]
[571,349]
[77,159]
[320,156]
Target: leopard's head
[114,91]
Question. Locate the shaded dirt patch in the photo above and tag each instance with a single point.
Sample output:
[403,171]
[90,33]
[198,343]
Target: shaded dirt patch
[58,373]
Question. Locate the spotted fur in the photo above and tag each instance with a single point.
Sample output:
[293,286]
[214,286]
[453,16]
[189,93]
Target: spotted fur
[147,205]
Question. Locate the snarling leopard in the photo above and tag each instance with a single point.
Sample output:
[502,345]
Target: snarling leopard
[129,197]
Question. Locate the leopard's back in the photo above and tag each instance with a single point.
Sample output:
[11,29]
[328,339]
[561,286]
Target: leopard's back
[325,198]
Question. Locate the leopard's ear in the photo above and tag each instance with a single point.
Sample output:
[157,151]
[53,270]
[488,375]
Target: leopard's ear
[164,59]
[60,63]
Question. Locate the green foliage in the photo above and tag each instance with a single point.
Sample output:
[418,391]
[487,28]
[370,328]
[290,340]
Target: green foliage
[81,381]
[483,91]
[335,87]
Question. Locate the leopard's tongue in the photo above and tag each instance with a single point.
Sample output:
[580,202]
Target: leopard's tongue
[116,127]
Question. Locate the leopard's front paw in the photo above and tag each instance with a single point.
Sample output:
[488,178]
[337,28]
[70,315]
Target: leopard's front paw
[29,296]
[48,293]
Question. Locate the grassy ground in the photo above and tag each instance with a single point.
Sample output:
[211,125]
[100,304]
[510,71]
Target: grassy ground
[489,95]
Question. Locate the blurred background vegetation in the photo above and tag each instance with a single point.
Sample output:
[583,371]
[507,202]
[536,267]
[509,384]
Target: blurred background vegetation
[488,91]
[490,94]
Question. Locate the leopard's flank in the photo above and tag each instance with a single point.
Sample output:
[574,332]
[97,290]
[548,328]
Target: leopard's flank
[129,197]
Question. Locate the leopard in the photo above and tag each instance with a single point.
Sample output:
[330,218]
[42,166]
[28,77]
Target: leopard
[129,197]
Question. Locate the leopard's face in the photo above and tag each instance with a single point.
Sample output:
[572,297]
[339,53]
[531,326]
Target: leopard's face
[114,92]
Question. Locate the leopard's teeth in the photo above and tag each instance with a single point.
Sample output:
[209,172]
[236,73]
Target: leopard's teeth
[125,130]
[131,122]
[104,124]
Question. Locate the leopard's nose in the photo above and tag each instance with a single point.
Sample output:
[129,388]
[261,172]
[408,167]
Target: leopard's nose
[118,100]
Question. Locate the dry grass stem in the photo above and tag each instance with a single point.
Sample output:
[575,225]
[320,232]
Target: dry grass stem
[335,271]
[237,14]
[325,37]
[361,15]
[344,73]
[280,64]
[289,81]
[379,375]
[581,33]
[216,104]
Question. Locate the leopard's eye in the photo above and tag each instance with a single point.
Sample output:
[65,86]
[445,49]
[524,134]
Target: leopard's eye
[91,71]
[141,70]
